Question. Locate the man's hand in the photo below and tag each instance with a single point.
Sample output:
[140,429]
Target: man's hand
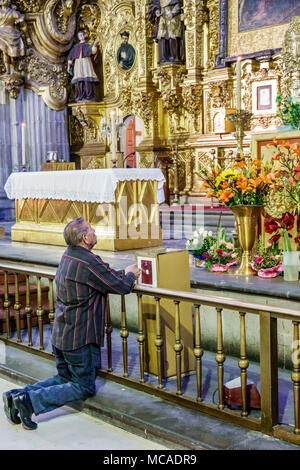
[133,269]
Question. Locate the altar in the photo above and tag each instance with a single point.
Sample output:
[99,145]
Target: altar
[122,205]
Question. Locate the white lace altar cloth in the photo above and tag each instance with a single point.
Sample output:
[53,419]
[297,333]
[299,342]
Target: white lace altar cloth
[79,185]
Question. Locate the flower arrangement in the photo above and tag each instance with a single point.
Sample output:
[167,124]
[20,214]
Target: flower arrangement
[267,261]
[222,253]
[246,183]
[288,111]
[278,225]
[200,243]
[288,170]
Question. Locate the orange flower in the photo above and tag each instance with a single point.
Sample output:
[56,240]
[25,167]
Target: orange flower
[225,184]
[225,196]
[254,183]
[256,162]
[268,178]
[240,164]
[287,146]
[242,183]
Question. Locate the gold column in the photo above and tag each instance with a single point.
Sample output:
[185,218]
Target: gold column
[108,331]
[51,304]
[296,378]
[28,311]
[243,363]
[141,338]
[220,358]
[17,308]
[6,303]
[268,372]
[198,353]
[40,312]
[178,346]
[158,343]
[124,335]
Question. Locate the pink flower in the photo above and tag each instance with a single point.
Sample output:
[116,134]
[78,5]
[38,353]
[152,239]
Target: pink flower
[259,260]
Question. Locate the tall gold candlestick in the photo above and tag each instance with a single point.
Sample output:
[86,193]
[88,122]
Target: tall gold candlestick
[113,139]
[238,85]
[23,137]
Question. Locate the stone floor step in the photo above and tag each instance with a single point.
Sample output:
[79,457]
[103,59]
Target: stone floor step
[170,424]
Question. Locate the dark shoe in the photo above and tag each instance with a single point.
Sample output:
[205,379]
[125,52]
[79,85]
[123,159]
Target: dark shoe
[23,404]
[9,407]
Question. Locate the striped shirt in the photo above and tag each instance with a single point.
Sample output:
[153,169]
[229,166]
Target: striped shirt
[83,281]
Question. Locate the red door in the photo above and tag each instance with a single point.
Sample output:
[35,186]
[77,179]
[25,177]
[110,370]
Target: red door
[130,144]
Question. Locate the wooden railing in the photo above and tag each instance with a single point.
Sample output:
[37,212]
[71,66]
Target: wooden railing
[267,422]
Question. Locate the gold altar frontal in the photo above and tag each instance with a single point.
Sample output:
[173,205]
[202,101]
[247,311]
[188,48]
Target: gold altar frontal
[131,222]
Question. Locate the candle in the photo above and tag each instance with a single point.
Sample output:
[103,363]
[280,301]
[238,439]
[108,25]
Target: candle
[23,128]
[113,137]
[238,84]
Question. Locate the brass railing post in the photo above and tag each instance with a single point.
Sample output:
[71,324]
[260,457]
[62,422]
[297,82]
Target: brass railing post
[141,338]
[40,312]
[108,331]
[243,363]
[51,304]
[158,343]
[124,335]
[296,377]
[28,311]
[6,304]
[198,352]
[178,347]
[17,308]
[268,372]
[220,358]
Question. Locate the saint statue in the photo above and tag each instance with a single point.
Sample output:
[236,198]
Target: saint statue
[168,31]
[126,52]
[81,68]
[11,42]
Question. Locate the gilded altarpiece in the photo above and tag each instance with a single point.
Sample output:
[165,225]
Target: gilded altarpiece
[182,106]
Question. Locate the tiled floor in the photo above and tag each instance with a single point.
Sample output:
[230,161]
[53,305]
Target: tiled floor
[67,429]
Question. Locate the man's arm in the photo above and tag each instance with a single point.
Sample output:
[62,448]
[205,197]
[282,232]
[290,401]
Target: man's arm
[103,278]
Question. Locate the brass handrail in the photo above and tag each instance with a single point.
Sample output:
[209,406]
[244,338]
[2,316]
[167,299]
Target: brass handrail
[268,315]
[196,298]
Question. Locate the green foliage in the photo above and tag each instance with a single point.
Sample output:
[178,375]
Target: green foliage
[289,111]
[286,243]
[264,258]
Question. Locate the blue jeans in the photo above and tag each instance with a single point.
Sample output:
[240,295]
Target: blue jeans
[75,380]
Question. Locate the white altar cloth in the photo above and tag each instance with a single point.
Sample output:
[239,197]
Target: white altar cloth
[79,185]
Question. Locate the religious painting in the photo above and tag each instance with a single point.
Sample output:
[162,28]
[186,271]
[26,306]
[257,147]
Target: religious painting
[126,52]
[148,274]
[254,14]
[264,97]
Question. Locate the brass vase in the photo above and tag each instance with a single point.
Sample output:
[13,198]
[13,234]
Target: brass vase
[247,223]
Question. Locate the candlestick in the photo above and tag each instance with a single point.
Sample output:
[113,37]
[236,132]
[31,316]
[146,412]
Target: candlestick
[113,139]
[23,128]
[238,84]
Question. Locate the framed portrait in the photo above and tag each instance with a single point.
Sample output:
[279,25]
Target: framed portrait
[148,275]
[264,97]
[248,27]
[255,14]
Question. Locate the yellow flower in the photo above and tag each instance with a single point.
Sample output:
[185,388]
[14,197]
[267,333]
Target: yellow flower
[226,175]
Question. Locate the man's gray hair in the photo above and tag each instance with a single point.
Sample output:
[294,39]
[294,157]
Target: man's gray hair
[75,230]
